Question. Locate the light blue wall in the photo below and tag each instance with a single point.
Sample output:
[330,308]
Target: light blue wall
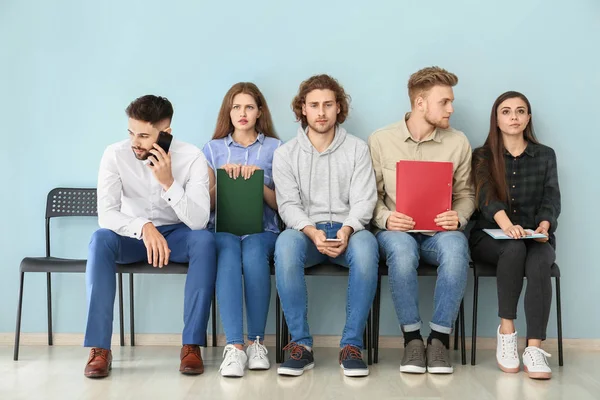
[69,68]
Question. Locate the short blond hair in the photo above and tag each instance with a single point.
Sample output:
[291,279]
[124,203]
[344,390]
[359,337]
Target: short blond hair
[426,78]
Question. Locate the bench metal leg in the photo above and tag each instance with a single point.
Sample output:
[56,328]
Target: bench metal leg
[463,350]
[277,329]
[19,310]
[474,333]
[214,320]
[49,296]
[376,315]
[131,313]
[559,322]
[121,328]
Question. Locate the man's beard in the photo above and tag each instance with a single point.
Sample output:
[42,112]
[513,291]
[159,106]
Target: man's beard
[321,128]
[143,156]
[442,123]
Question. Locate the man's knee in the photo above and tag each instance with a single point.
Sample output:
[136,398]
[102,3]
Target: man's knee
[104,239]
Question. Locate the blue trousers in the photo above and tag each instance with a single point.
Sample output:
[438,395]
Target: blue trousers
[106,249]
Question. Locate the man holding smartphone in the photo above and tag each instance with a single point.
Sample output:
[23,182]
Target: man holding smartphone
[153,205]
[326,194]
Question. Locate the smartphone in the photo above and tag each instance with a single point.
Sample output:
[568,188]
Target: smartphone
[333,240]
[164,141]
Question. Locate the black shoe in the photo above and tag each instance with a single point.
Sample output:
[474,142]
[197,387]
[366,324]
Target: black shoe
[351,361]
[301,359]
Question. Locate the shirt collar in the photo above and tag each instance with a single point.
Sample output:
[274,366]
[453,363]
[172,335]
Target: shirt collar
[405,133]
[229,139]
[530,150]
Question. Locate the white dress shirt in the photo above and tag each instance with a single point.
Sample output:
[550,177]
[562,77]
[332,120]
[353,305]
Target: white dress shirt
[129,196]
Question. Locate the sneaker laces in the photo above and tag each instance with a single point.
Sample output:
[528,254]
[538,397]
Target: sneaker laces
[350,352]
[231,356]
[260,351]
[295,349]
[509,342]
[438,354]
[416,353]
[538,356]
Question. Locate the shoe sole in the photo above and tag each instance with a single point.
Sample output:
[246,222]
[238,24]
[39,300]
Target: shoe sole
[538,375]
[232,375]
[508,370]
[192,372]
[95,376]
[412,369]
[354,372]
[440,370]
[294,371]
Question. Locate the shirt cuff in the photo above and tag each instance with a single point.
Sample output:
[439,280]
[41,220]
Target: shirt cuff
[135,228]
[381,219]
[174,194]
[303,224]
[353,223]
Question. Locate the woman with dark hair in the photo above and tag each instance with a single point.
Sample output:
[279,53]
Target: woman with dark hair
[516,184]
[244,142]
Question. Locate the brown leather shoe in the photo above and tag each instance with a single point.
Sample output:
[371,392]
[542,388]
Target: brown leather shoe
[99,363]
[191,360]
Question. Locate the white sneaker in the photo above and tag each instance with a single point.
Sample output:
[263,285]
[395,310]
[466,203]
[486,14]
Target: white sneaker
[506,352]
[536,364]
[257,356]
[234,362]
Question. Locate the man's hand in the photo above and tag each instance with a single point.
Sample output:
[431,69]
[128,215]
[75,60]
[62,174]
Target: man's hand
[344,235]
[162,166]
[447,220]
[156,246]
[318,238]
[399,222]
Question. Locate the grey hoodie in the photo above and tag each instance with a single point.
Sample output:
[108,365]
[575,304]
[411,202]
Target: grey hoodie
[337,185]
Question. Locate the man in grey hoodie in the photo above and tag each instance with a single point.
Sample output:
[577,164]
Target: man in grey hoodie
[326,194]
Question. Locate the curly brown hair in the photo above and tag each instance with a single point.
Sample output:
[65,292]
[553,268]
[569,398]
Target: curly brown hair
[426,78]
[321,82]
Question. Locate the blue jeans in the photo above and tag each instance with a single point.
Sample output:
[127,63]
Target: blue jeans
[252,258]
[294,251]
[449,251]
[187,246]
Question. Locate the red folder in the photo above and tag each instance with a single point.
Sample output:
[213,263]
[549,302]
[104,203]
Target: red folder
[424,190]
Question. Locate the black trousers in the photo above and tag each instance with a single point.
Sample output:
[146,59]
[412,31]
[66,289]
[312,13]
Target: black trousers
[516,259]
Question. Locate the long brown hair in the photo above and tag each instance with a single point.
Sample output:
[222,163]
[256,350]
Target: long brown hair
[264,124]
[488,160]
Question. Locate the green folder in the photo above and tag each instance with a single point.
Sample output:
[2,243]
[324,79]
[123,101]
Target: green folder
[239,203]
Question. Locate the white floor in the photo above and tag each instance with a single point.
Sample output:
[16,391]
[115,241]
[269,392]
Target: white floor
[148,372]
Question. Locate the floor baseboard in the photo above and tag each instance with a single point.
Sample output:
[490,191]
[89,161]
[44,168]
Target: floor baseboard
[151,339]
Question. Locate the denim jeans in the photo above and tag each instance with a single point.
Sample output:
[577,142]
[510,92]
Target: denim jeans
[294,251]
[449,251]
[187,246]
[251,258]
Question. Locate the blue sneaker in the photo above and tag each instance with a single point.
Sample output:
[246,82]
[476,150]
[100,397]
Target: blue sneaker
[301,359]
[351,361]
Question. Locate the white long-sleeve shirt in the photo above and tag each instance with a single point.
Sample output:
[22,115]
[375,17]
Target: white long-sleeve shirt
[129,196]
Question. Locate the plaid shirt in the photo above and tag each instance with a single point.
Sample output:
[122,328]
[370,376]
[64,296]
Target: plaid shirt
[533,191]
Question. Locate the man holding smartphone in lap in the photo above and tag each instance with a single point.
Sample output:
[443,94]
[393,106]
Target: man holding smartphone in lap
[326,194]
[153,205]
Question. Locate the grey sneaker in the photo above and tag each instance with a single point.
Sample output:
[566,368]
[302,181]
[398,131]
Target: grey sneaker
[438,358]
[413,360]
